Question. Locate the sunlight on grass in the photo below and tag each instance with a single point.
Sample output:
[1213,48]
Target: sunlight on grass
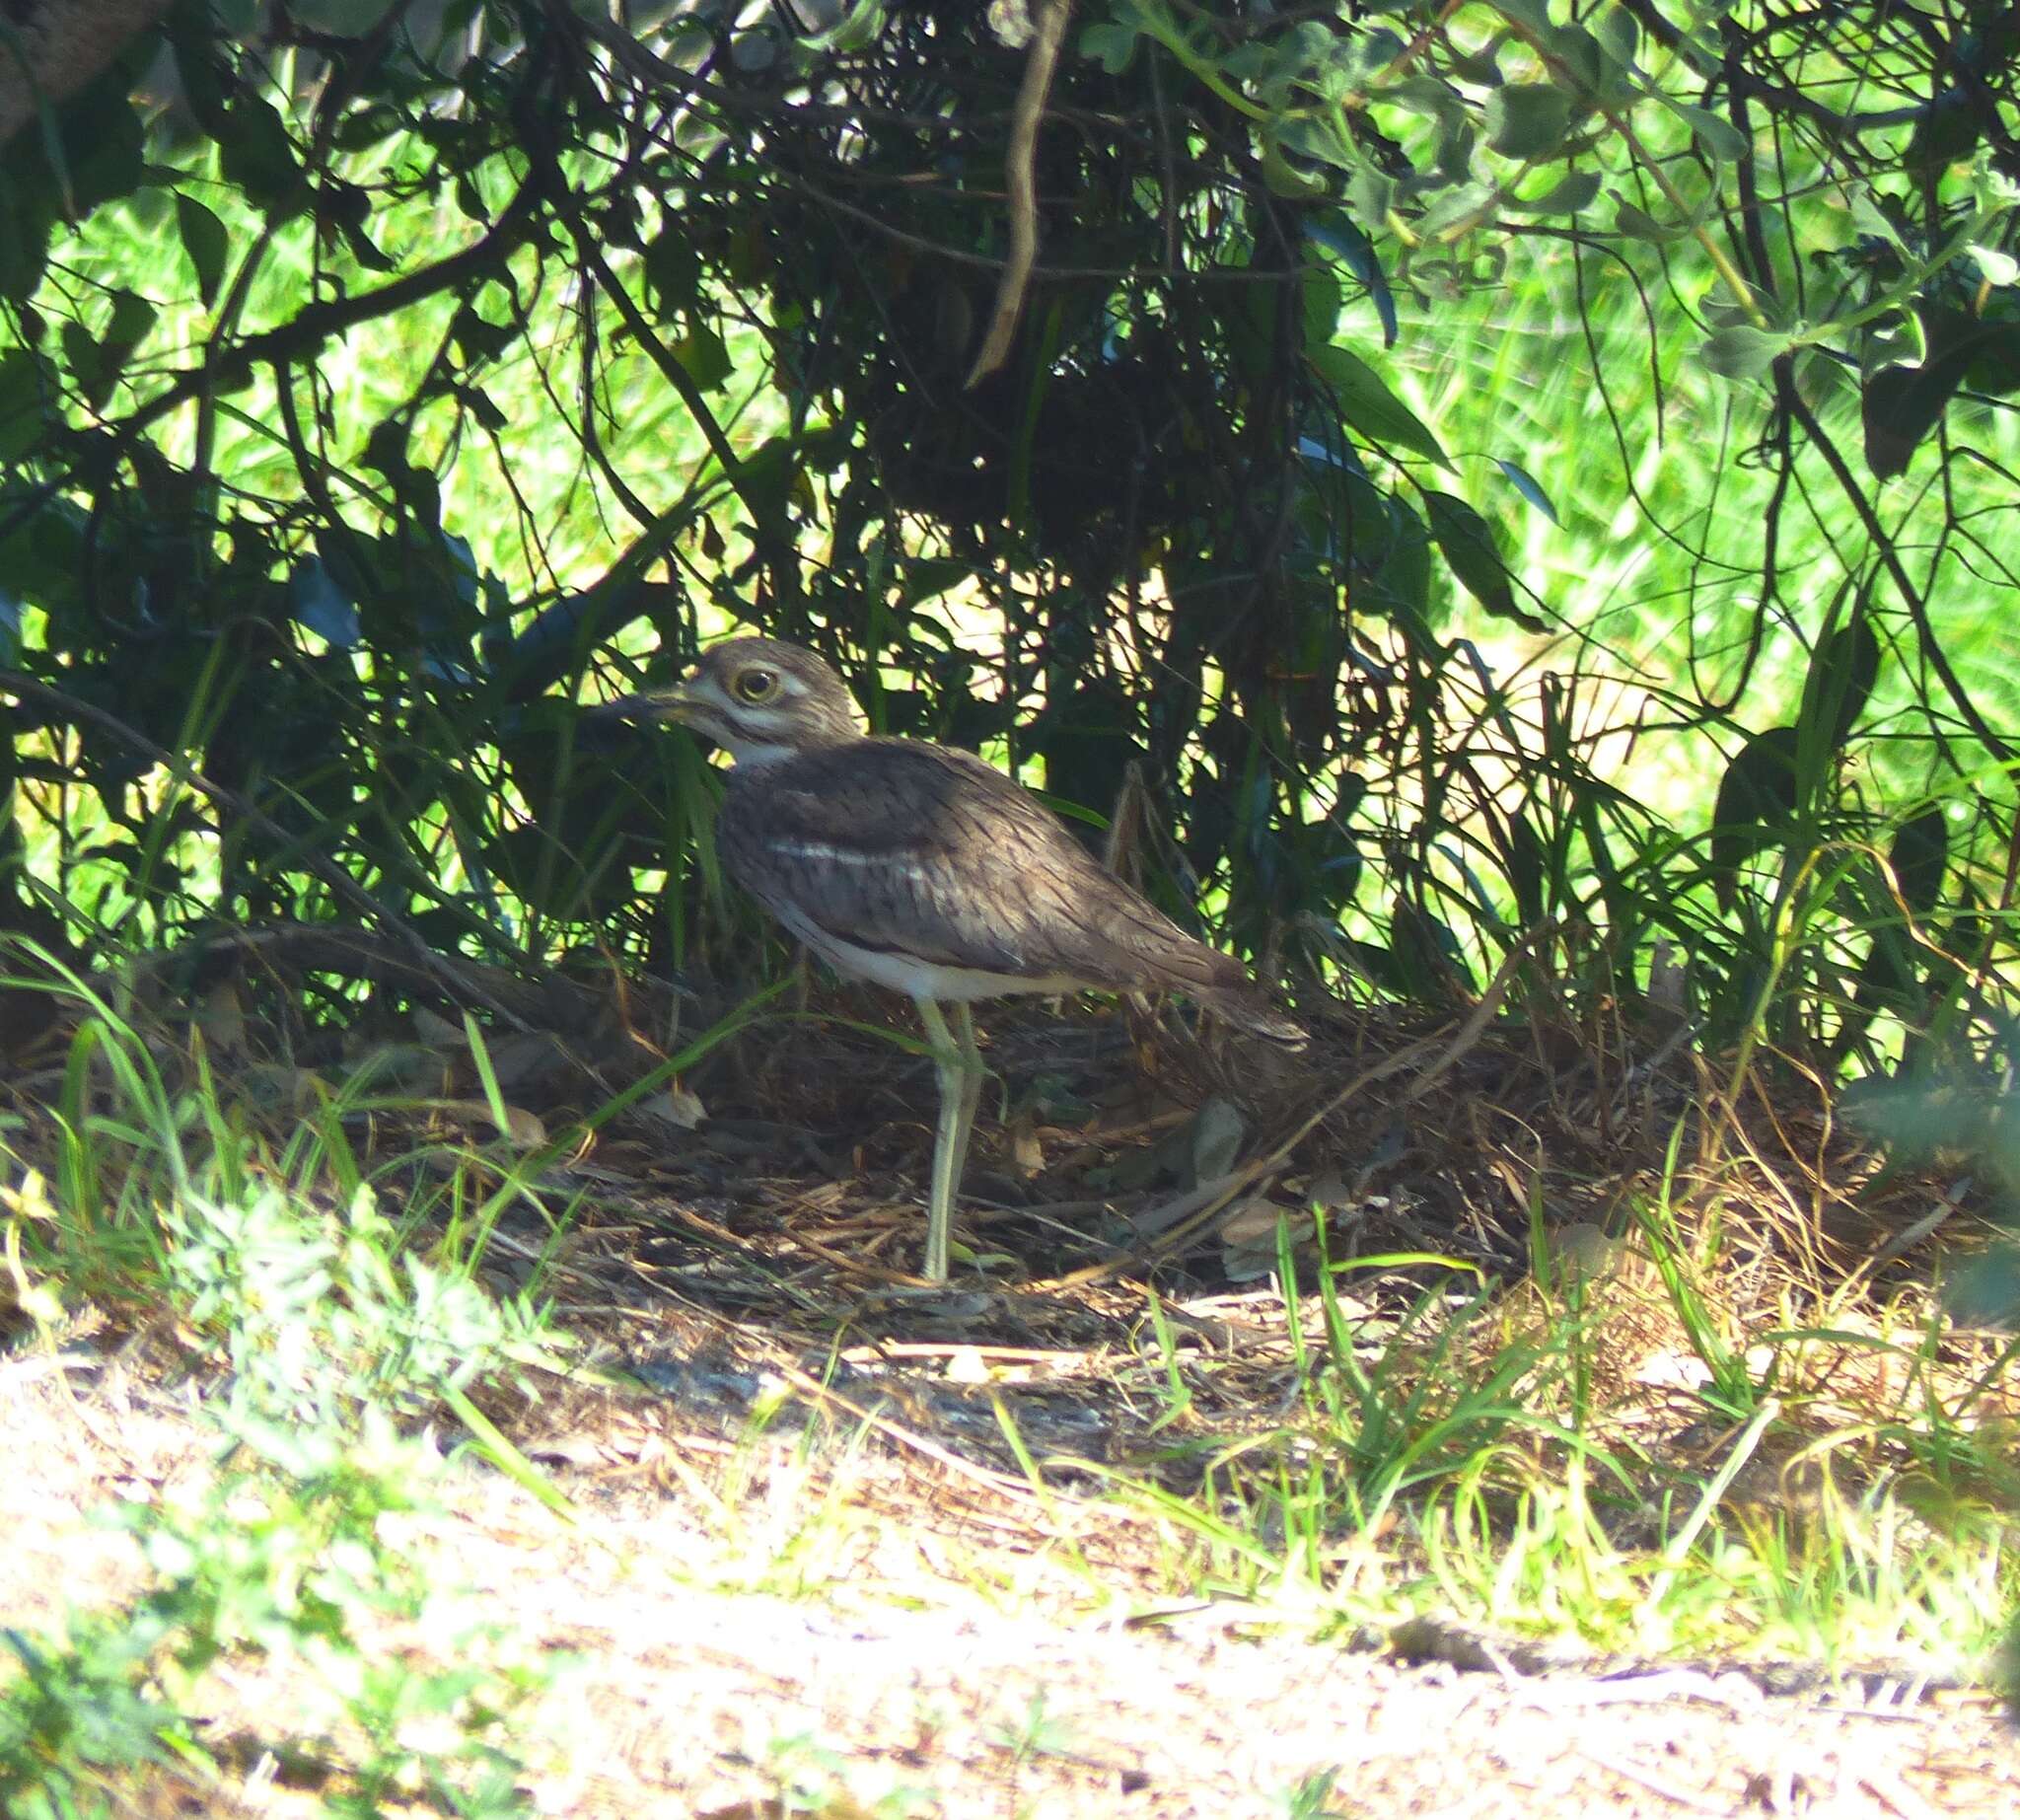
[1508,373]
[332,1337]
[1543,1507]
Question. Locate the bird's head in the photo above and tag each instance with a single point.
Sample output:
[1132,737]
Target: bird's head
[760,699]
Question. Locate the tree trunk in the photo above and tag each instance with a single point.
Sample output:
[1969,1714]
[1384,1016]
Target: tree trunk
[63,44]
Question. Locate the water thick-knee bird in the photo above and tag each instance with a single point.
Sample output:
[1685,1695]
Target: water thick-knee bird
[922,868]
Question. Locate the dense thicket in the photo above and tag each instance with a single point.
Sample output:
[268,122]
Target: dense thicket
[1034,354]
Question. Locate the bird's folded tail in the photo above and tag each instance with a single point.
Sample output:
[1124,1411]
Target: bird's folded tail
[1150,953]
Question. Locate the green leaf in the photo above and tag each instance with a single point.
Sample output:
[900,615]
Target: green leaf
[132,318]
[1900,405]
[97,362]
[28,215]
[259,155]
[1921,851]
[1468,548]
[1112,46]
[1868,217]
[1526,483]
[1391,566]
[704,357]
[1995,267]
[1842,671]
[1320,299]
[1568,196]
[1528,119]
[1284,178]
[1366,402]
[1718,135]
[1370,193]
[861,26]
[1333,231]
[1427,96]
[1619,34]
[674,269]
[316,602]
[1459,211]
[1318,137]
[1638,224]
[25,392]
[206,242]
[1756,802]
[1742,351]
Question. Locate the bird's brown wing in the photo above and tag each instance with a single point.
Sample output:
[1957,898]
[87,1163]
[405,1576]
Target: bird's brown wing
[905,847]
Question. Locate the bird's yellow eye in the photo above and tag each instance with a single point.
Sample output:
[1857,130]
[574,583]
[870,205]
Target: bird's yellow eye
[751,687]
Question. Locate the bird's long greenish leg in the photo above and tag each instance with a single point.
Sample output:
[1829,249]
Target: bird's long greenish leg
[973,1075]
[947,1061]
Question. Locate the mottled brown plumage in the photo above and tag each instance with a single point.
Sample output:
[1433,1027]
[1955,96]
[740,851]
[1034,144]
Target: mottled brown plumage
[923,869]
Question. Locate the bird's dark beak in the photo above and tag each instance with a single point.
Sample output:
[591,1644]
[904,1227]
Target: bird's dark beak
[674,702]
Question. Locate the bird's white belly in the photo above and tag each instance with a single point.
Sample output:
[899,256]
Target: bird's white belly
[917,979]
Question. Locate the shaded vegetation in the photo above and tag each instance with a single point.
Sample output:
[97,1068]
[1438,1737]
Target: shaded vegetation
[1180,518]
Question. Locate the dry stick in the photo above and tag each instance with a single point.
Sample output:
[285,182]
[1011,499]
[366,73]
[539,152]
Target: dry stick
[855,1266]
[1193,1212]
[1050,32]
[1909,1237]
[331,874]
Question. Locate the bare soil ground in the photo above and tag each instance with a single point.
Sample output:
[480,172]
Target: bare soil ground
[862,1603]
[869,1630]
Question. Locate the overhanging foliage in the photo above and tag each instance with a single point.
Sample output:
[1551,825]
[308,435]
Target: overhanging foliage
[1038,346]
